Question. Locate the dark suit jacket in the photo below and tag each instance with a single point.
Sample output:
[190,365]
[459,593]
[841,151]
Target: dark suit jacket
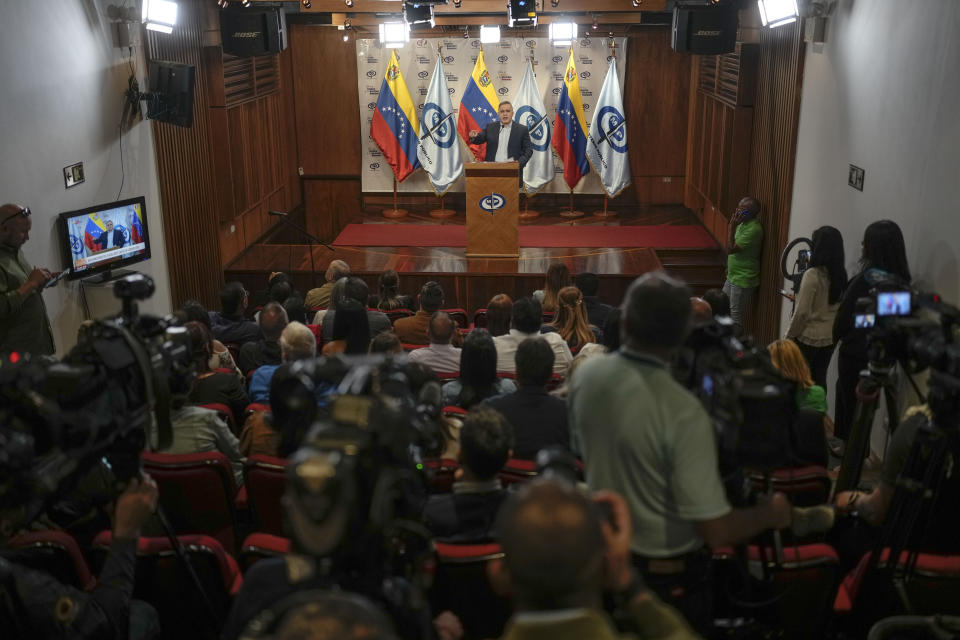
[539,420]
[463,517]
[596,311]
[118,240]
[519,146]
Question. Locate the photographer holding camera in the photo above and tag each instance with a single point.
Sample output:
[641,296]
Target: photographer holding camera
[34,604]
[645,436]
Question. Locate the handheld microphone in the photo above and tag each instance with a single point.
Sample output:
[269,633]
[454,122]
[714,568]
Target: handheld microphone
[278,213]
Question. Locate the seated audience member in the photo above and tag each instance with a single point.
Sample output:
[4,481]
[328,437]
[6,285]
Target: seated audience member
[262,296]
[388,296]
[212,387]
[589,285]
[320,297]
[525,319]
[611,330]
[357,290]
[468,514]
[221,358]
[700,311]
[788,359]
[440,355]
[297,342]
[386,342]
[539,420]
[719,302]
[266,350]
[351,333]
[478,373]
[336,296]
[229,325]
[295,308]
[413,330]
[196,429]
[571,319]
[558,277]
[498,314]
[560,555]
[333,615]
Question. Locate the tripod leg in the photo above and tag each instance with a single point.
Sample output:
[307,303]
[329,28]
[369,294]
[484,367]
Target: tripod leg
[868,395]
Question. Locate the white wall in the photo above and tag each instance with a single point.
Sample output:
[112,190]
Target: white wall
[62,84]
[883,93]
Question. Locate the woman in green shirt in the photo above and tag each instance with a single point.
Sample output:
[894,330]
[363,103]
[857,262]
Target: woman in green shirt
[786,356]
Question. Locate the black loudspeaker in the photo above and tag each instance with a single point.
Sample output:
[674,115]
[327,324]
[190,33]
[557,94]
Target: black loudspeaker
[171,92]
[704,30]
[253,31]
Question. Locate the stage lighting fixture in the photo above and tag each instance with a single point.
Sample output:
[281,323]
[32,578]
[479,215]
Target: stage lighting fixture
[595,26]
[349,3]
[160,15]
[490,35]
[456,4]
[417,13]
[776,13]
[562,34]
[394,35]
[223,4]
[245,3]
[554,3]
[636,3]
[522,13]
[307,4]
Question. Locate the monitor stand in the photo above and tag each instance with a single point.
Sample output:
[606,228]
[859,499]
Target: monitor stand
[106,277]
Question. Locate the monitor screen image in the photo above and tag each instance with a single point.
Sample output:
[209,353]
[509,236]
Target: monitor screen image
[103,237]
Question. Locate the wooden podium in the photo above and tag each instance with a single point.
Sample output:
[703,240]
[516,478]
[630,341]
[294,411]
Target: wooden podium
[493,206]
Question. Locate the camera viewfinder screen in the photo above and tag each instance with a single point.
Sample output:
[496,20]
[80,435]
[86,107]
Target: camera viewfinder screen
[864,321]
[893,303]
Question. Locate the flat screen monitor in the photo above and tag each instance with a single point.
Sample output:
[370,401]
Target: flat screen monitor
[97,239]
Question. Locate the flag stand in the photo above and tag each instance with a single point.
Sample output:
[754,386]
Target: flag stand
[527,215]
[571,212]
[605,213]
[442,213]
[395,212]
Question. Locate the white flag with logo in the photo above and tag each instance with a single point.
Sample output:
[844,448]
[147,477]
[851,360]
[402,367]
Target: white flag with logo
[438,148]
[607,140]
[530,112]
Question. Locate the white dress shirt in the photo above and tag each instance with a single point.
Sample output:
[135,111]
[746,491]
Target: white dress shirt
[442,358]
[503,143]
[507,350]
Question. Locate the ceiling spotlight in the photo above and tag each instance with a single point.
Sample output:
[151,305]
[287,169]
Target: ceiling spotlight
[245,3]
[349,3]
[776,13]
[307,4]
[563,34]
[636,3]
[490,35]
[222,4]
[159,15]
[595,26]
[456,4]
[554,3]
[466,33]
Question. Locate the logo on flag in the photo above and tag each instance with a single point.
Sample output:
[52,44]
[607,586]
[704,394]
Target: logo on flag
[440,125]
[437,150]
[571,74]
[485,79]
[492,202]
[612,129]
[75,245]
[393,72]
[532,114]
[607,144]
[537,124]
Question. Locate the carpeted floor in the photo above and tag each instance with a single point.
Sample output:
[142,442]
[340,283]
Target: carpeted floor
[450,235]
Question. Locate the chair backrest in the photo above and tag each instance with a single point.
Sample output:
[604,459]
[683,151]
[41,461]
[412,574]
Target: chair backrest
[413,347]
[225,413]
[162,581]
[461,586]
[805,486]
[517,470]
[265,480]
[441,474]
[317,334]
[799,592]
[258,546]
[459,316]
[197,492]
[447,375]
[396,314]
[480,318]
[53,552]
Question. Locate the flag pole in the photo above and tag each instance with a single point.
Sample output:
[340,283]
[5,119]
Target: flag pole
[571,212]
[395,212]
[606,213]
[527,215]
[442,213]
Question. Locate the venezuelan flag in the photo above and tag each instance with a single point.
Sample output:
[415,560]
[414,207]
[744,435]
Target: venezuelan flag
[91,235]
[570,127]
[478,107]
[135,223]
[395,126]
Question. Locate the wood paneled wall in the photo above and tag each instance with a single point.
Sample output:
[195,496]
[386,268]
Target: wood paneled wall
[772,161]
[219,178]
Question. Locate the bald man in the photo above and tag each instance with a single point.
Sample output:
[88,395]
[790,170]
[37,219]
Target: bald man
[557,588]
[24,325]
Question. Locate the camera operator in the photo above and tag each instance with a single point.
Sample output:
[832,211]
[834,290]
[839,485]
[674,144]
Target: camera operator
[645,436]
[33,604]
[24,324]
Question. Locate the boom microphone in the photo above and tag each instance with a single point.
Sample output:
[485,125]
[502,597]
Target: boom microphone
[278,213]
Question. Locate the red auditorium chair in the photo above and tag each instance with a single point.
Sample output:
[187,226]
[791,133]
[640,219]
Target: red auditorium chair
[317,334]
[197,493]
[448,375]
[225,412]
[412,347]
[258,546]
[480,318]
[441,474]
[805,486]
[866,596]
[517,470]
[555,380]
[798,594]
[264,478]
[461,586]
[396,314]
[53,552]
[459,316]
[162,581]
[452,411]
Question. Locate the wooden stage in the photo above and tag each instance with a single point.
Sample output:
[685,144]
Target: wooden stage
[469,283]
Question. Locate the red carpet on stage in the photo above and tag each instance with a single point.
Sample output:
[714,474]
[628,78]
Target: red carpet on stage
[450,235]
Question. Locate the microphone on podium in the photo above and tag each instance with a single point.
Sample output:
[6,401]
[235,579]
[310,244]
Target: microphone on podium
[278,213]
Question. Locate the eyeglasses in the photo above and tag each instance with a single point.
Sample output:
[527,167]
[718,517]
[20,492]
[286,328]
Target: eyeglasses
[24,211]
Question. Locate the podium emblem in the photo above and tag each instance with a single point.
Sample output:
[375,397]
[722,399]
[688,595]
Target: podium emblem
[492,202]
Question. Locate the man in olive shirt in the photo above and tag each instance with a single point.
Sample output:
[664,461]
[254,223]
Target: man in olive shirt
[24,325]
[744,242]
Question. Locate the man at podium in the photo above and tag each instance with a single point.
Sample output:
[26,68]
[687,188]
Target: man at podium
[506,140]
